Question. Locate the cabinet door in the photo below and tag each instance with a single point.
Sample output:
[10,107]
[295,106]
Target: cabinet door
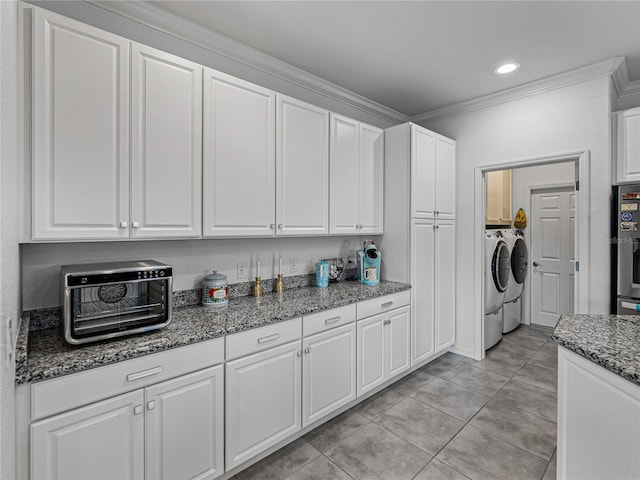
[104,440]
[423,170]
[398,341]
[166,145]
[445,178]
[328,372]
[371,350]
[422,289]
[185,426]
[238,157]
[370,202]
[445,285]
[302,171]
[628,146]
[345,175]
[498,197]
[80,131]
[263,401]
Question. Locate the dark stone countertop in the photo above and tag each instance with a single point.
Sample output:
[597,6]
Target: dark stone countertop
[612,341]
[42,352]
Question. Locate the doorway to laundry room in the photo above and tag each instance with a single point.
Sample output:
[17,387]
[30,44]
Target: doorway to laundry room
[529,247]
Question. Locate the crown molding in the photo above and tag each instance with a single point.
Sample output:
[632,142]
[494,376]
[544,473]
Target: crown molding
[178,27]
[623,86]
[609,68]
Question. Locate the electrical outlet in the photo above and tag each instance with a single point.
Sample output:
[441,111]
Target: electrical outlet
[293,265]
[243,270]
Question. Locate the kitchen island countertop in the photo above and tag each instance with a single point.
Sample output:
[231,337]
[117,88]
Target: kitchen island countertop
[611,341]
[42,352]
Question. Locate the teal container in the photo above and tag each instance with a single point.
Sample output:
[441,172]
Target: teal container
[322,274]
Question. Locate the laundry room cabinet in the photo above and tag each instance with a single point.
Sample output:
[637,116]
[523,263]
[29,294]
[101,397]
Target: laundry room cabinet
[424,253]
[356,177]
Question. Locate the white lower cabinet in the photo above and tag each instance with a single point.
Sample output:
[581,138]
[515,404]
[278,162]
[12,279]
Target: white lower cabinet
[328,372]
[598,421]
[383,347]
[184,426]
[171,430]
[100,441]
[263,401]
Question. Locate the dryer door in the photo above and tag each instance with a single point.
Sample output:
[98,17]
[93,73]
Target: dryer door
[500,266]
[519,260]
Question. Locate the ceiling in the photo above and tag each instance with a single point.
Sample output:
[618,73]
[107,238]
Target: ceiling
[417,56]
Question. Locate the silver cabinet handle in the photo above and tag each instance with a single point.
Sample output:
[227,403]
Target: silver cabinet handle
[135,224]
[280,226]
[269,338]
[307,350]
[151,405]
[331,320]
[137,409]
[536,264]
[272,226]
[145,373]
[123,224]
[298,354]
[387,304]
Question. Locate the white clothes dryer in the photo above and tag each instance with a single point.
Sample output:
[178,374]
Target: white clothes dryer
[519,257]
[496,271]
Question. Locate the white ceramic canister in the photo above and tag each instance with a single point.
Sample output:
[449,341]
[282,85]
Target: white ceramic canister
[215,290]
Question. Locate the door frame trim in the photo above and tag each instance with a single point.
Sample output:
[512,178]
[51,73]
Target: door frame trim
[526,304]
[582,159]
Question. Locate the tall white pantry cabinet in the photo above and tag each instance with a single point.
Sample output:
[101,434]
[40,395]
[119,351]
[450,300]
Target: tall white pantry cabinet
[419,241]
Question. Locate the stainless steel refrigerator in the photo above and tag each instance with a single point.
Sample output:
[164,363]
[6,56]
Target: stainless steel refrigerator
[625,252]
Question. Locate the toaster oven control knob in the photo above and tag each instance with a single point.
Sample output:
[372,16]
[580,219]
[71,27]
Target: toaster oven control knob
[162,273]
[84,280]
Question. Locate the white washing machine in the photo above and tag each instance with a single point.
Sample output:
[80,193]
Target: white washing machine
[496,280]
[519,255]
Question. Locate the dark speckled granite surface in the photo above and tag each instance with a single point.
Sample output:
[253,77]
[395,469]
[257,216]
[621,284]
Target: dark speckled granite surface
[43,353]
[612,341]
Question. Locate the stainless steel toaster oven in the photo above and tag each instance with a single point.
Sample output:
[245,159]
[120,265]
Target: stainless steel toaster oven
[106,300]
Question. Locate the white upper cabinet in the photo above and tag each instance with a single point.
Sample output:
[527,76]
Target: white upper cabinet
[239,157]
[445,178]
[80,169]
[432,175]
[166,145]
[302,168]
[498,195]
[627,151]
[356,171]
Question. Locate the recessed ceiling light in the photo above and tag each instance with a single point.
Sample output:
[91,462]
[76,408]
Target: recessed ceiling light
[507,68]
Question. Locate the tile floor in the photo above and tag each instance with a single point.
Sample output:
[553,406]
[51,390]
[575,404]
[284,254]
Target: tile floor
[456,418]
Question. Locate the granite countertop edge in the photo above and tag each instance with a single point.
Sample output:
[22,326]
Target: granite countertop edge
[611,341]
[43,354]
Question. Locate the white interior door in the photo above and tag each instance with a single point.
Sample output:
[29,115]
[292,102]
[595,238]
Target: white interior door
[552,254]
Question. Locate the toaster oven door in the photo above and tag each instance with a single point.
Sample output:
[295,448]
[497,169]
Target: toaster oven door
[112,309]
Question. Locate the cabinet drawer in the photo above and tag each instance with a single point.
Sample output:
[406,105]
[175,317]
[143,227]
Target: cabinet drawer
[261,338]
[321,321]
[71,391]
[383,304]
